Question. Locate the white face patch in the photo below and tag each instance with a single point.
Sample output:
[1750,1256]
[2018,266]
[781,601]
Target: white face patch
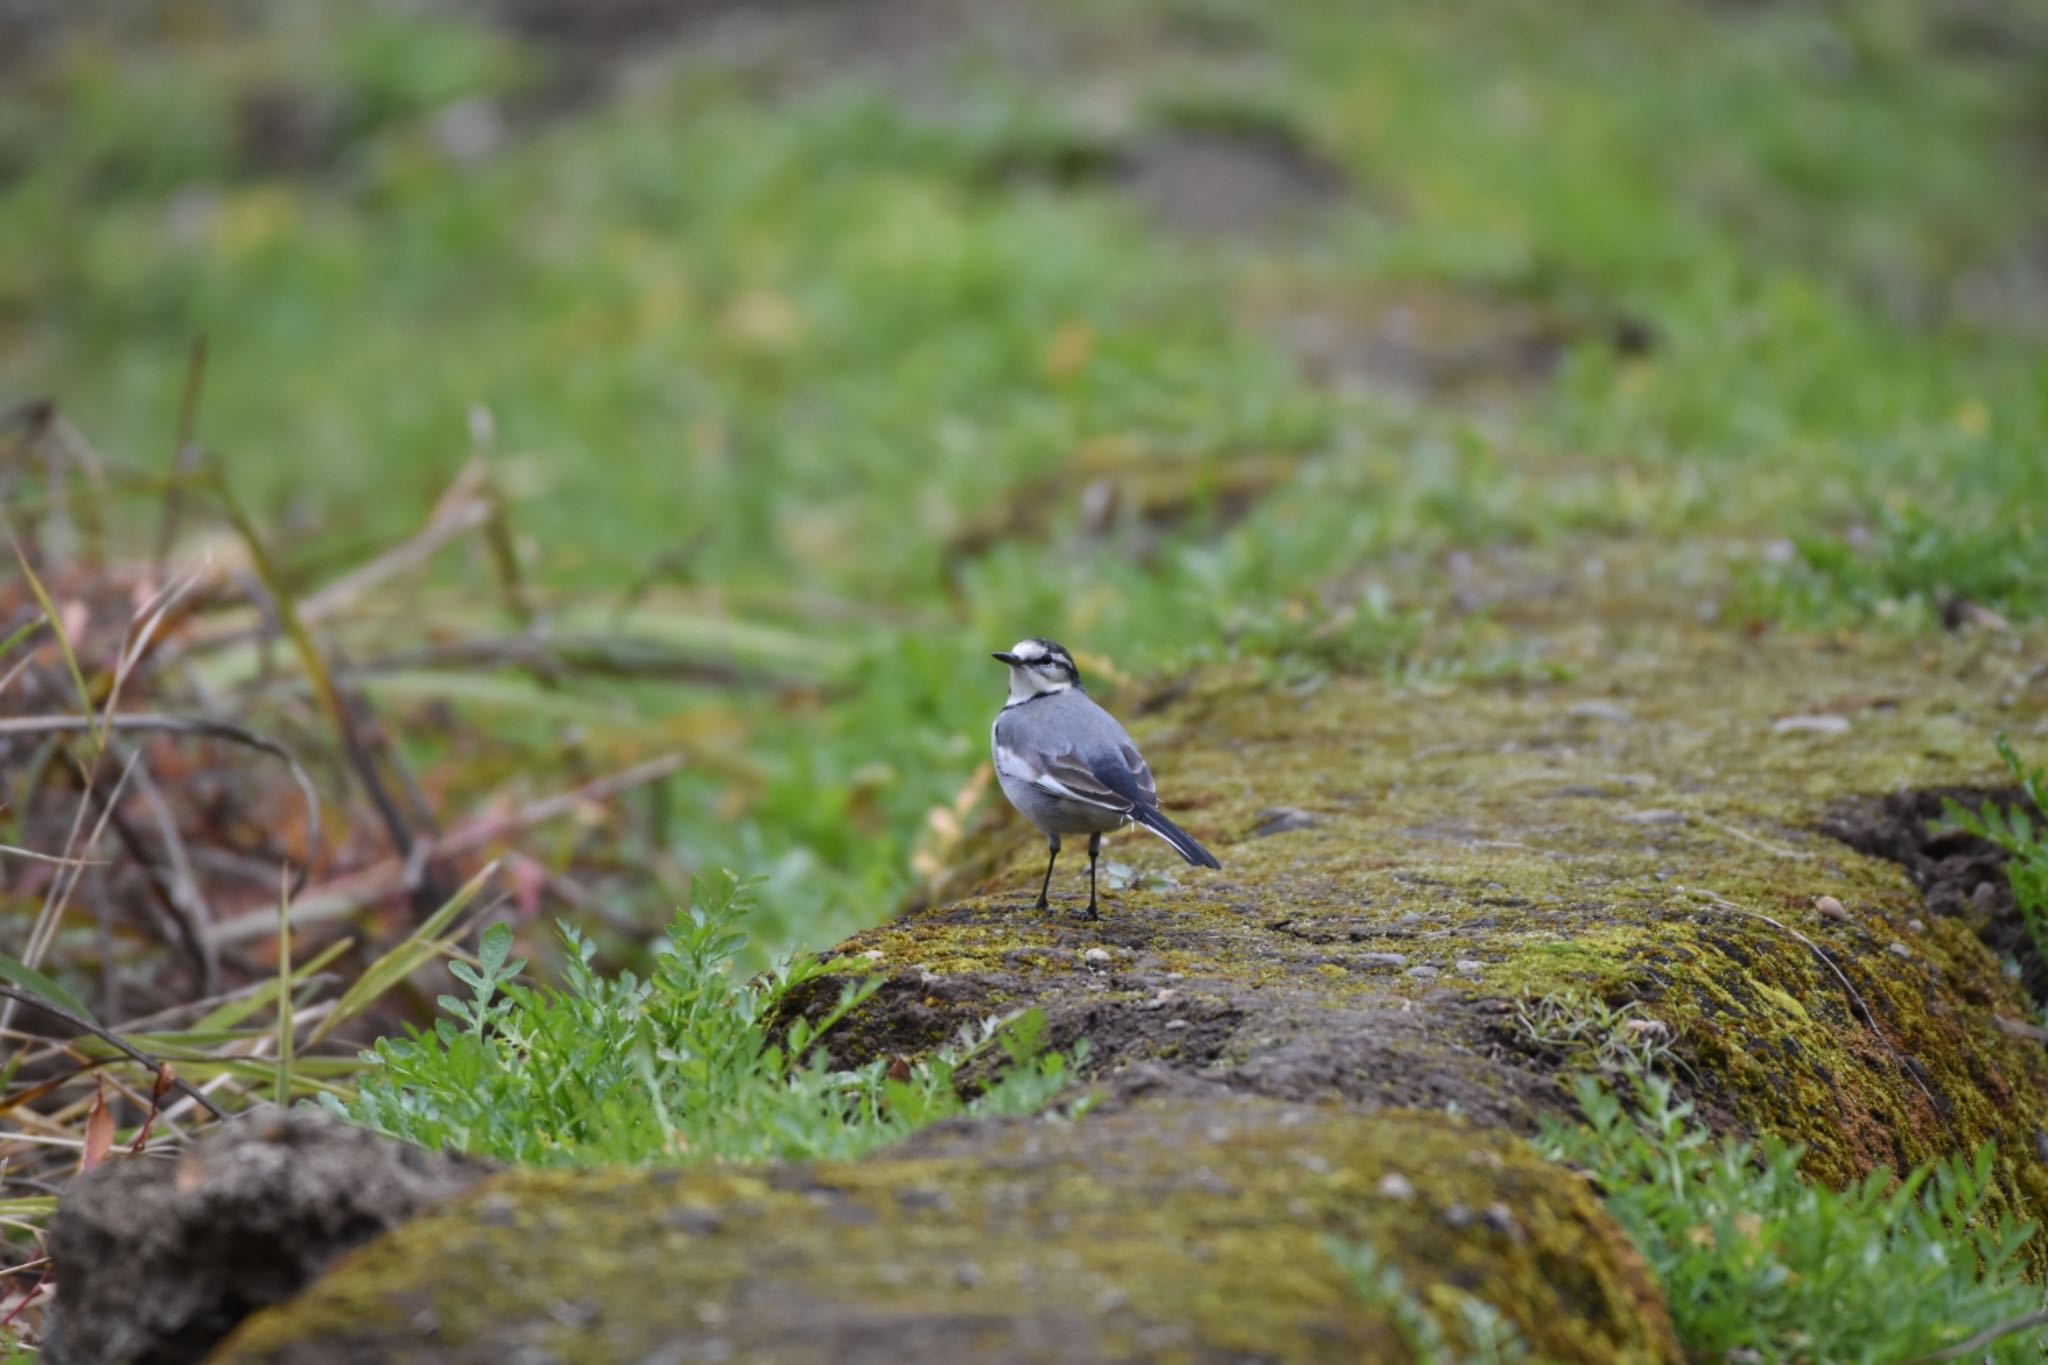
[1037,672]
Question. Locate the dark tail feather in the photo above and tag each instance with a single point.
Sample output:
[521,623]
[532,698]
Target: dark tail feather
[1182,843]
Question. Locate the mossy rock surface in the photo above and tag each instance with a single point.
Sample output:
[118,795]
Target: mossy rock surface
[1160,1229]
[1405,868]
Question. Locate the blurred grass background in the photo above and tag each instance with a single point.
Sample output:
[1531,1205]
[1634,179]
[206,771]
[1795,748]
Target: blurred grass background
[881,333]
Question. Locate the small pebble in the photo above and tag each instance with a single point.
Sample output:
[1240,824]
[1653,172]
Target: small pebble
[1283,820]
[1656,815]
[1899,950]
[1382,959]
[1810,725]
[1917,926]
[1830,907]
[967,1275]
[1394,1185]
[1470,964]
[1600,710]
[1422,972]
[1501,1219]
[1096,957]
[1176,1023]
[1458,1216]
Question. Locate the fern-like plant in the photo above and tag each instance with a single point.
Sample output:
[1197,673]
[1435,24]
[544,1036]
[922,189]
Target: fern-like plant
[2024,843]
[687,1065]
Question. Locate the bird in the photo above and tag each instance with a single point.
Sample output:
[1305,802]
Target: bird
[1067,765]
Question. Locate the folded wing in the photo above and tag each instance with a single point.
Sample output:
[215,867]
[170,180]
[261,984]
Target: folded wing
[1115,779]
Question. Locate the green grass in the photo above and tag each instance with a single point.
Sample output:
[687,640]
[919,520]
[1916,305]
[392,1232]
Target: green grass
[2024,843]
[1754,1257]
[685,1066]
[785,345]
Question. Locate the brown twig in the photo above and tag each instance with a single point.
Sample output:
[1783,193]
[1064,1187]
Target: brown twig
[113,1040]
[547,657]
[199,728]
[498,538]
[175,893]
[1996,1332]
[1775,850]
[33,1290]
[334,899]
[184,455]
[413,829]
[460,510]
[61,887]
[30,855]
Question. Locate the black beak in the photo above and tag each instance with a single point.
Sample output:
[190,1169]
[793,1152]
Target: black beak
[1006,657]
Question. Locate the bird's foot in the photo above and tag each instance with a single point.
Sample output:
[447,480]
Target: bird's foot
[1089,914]
[1043,904]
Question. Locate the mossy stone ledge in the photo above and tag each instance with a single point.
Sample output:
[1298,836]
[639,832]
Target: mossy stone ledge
[1164,1230]
[1321,1040]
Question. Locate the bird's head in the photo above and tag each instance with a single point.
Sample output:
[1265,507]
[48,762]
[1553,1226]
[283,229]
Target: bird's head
[1038,667]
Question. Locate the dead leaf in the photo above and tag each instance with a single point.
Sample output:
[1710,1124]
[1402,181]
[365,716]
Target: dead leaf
[164,1077]
[99,1132]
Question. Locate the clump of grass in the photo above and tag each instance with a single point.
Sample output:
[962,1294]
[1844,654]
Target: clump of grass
[686,1065]
[2024,843]
[1759,1263]
[1911,569]
[1592,1036]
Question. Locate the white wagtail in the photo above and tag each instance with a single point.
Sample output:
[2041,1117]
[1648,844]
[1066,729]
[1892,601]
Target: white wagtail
[1067,764]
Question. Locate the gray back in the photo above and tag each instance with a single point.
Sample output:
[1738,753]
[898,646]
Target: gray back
[1071,722]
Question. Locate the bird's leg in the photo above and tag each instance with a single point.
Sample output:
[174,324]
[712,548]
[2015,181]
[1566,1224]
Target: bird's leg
[1094,852]
[1052,841]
